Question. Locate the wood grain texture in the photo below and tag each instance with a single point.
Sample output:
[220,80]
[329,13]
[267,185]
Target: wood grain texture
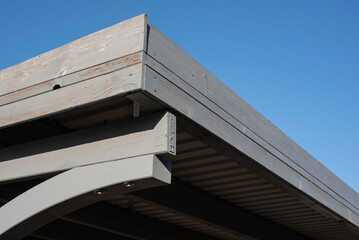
[86,92]
[108,44]
[201,84]
[181,100]
[72,78]
[140,136]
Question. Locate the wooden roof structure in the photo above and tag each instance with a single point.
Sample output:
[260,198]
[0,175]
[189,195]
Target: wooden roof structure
[122,135]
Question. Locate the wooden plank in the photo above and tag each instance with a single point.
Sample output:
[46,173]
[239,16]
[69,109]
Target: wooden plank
[108,44]
[72,78]
[151,134]
[162,89]
[202,85]
[104,86]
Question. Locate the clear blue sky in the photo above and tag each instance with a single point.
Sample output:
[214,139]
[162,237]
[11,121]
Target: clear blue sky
[295,61]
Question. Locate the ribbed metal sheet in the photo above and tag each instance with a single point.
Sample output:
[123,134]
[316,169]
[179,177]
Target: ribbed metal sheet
[207,168]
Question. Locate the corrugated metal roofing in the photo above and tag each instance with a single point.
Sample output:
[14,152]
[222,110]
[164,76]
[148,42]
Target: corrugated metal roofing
[205,167]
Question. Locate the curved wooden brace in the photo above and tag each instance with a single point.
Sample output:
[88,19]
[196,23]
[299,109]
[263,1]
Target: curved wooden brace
[76,188]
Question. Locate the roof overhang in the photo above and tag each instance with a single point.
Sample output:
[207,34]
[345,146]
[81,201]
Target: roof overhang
[135,65]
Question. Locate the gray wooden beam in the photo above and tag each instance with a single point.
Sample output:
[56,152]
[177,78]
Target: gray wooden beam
[72,78]
[200,206]
[93,68]
[119,40]
[75,188]
[152,134]
[93,90]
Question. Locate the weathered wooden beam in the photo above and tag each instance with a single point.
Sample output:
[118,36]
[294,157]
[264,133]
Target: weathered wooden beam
[200,206]
[152,134]
[93,68]
[76,188]
[72,78]
[99,88]
[119,40]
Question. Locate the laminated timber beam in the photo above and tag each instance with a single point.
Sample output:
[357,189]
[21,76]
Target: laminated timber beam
[76,188]
[152,134]
[193,203]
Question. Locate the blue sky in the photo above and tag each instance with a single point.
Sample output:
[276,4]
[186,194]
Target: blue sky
[295,61]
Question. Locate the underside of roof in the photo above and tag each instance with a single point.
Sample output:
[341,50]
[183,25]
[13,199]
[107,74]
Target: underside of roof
[234,174]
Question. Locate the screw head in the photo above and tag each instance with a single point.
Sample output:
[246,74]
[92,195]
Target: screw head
[129,184]
[99,192]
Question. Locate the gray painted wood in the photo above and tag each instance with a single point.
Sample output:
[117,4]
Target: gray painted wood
[74,188]
[117,83]
[190,202]
[236,125]
[213,94]
[152,134]
[72,78]
[186,87]
[181,100]
[105,45]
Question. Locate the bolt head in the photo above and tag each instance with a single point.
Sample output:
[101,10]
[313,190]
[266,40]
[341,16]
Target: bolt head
[99,192]
[129,184]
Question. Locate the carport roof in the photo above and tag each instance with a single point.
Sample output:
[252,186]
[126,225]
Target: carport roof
[236,176]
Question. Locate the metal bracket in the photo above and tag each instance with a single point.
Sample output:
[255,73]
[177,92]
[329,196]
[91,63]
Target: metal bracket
[136,110]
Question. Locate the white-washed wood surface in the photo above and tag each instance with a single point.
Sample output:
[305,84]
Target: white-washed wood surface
[105,86]
[105,45]
[72,78]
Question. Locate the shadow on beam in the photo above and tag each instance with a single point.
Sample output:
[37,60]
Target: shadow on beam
[201,206]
